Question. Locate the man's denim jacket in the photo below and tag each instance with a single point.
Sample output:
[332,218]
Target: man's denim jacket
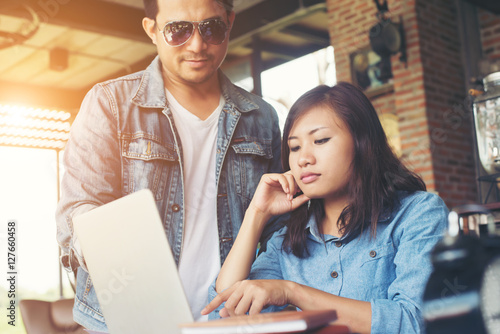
[124,139]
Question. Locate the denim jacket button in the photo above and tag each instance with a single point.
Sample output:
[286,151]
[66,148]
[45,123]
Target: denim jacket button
[338,243]
[373,253]
[176,208]
[334,274]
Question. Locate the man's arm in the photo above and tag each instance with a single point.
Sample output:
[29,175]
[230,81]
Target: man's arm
[92,165]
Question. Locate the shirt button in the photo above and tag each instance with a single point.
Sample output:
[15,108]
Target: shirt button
[176,208]
[338,243]
[334,274]
[373,253]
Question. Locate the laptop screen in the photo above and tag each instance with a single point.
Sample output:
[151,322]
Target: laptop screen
[132,267]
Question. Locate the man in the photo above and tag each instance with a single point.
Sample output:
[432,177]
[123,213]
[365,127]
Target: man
[181,129]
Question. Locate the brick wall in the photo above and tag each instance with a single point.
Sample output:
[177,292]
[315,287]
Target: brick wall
[448,115]
[428,93]
[490,34]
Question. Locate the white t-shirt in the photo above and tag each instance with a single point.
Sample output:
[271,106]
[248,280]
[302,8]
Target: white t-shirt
[199,261]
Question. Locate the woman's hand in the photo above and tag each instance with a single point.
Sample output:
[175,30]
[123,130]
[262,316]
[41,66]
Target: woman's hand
[253,295]
[274,194]
[250,296]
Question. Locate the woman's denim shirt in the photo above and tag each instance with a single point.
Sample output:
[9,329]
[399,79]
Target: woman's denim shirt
[124,139]
[390,271]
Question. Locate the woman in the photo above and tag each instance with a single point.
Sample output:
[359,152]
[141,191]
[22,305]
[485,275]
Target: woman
[360,230]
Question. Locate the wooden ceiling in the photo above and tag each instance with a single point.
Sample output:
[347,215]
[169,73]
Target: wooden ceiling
[104,39]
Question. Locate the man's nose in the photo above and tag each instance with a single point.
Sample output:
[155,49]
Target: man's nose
[196,42]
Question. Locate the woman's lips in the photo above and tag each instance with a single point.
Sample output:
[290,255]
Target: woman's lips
[309,177]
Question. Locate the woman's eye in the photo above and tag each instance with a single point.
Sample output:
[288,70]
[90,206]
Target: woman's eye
[321,141]
[294,148]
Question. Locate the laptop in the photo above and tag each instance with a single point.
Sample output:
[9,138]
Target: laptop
[132,267]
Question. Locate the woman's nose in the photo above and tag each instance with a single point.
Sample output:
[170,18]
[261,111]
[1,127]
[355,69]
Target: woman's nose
[306,158]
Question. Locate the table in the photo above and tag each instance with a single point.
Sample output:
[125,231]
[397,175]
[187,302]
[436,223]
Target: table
[332,329]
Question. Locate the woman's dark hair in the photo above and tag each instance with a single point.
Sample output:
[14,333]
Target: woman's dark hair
[377,174]
[151,7]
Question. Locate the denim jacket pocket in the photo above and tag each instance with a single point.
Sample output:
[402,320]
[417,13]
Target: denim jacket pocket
[147,163]
[252,160]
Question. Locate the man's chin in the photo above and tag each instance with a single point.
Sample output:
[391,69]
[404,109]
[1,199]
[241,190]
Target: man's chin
[197,74]
[199,77]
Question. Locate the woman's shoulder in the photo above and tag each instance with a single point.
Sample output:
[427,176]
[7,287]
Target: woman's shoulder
[420,199]
[421,212]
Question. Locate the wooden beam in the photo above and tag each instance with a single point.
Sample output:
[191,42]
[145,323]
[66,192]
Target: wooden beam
[99,16]
[268,16]
[287,52]
[321,38]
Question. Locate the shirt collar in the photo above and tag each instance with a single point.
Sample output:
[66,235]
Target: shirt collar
[151,90]
[312,227]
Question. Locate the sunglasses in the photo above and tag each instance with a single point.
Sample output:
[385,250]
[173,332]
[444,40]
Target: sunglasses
[212,31]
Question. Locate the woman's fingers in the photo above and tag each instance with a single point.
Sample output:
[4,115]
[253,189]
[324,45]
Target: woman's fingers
[243,305]
[218,300]
[288,184]
[299,200]
[223,313]
[233,301]
[292,185]
[285,184]
[212,305]
[249,297]
[257,306]
[277,193]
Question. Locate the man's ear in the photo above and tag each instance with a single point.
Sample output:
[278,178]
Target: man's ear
[149,27]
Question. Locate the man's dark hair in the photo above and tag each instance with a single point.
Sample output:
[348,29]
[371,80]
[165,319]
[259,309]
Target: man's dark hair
[151,7]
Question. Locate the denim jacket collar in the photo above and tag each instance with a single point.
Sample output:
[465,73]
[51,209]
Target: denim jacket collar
[233,96]
[151,91]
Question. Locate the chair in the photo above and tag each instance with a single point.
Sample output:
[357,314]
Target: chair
[43,317]
[478,220]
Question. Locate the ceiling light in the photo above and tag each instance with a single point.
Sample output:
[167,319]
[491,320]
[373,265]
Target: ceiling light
[59,59]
